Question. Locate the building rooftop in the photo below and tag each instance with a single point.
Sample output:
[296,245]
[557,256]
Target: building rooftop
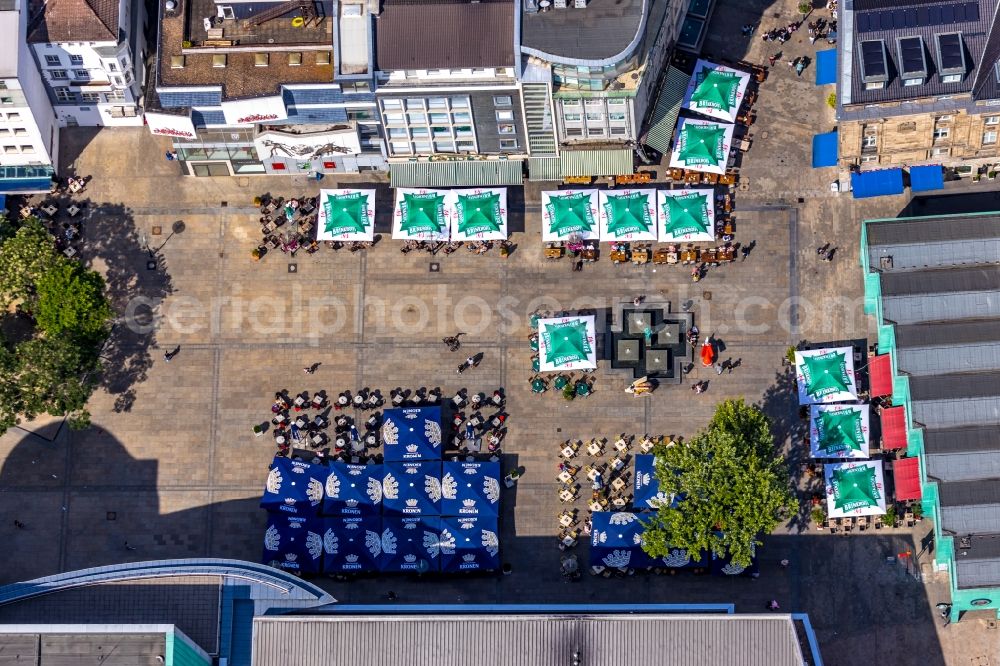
[444,35]
[240,42]
[527,640]
[947,333]
[602,30]
[62,648]
[73,21]
[941,281]
[925,39]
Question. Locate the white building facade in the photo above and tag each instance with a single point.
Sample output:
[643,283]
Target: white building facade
[29,134]
[91,58]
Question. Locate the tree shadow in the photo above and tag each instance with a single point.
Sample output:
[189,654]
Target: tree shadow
[137,282]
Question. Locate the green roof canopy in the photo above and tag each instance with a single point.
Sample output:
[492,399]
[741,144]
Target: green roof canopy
[566,342]
[570,213]
[855,488]
[479,213]
[717,90]
[840,430]
[702,144]
[346,213]
[687,214]
[826,374]
[628,213]
[422,213]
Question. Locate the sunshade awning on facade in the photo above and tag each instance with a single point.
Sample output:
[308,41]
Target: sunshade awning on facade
[926,178]
[906,476]
[880,375]
[893,427]
[610,162]
[883,182]
[544,168]
[448,174]
[668,105]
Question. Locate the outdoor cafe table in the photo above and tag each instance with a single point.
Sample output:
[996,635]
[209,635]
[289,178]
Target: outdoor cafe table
[619,502]
[618,484]
[595,505]
[533,320]
[300,422]
[279,440]
[594,448]
[619,256]
[341,442]
[647,445]
[621,444]
[561,382]
[617,463]
[533,342]
[568,541]
[640,256]
[582,388]
[299,401]
[537,386]
[593,473]
[565,519]
[565,477]
[535,364]
[371,440]
[566,495]
[359,401]
[568,452]
[317,401]
[342,400]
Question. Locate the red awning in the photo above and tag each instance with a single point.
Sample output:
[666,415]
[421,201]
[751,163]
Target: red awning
[894,427]
[906,474]
[880,375]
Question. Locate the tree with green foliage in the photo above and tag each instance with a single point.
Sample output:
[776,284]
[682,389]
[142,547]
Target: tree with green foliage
[71,302]
[53,370]
[732,483]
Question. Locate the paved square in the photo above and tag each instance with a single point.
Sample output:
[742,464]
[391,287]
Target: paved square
[172,454]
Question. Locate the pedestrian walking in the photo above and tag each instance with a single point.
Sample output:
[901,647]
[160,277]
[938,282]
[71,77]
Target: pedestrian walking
[772,605]
[771,59]
[828,256]
[637,301]
[128,547]
[452,342]
[309,369]
[168,355]
[391,596]
[18,524]
[783,564]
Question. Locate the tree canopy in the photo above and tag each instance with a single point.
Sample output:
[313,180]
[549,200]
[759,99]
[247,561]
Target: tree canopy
[731,484]
[52,370]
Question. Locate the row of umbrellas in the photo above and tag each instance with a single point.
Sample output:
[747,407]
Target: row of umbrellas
[714,92]
[433,488]
[359,544]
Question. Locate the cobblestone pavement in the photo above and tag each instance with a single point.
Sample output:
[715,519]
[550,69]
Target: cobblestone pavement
[171,465]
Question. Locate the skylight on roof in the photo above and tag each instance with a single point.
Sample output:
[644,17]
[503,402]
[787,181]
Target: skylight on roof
[874,64]
[912,61]
[951,53]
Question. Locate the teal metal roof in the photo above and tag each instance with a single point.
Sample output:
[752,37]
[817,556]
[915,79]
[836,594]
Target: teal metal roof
[448,174]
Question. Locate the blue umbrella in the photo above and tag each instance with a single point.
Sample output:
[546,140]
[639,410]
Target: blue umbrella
[294,543]
[680,558]
[412,433]
[354,434]
[470,488]
[353,490]
[352,544]
[723,566]
[411,488]
[294,487]
[470,432]
[411,543]
[647,486]
[469,544]
[616,540]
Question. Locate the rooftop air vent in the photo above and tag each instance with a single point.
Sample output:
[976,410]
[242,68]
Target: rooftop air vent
[171,5]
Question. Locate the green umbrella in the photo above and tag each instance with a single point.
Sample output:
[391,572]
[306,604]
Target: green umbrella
[628,213]
[855,488]
[346,213]
[716,90]
[533,320]
[422,213]
[582,388]
[561,382]
[687,214]
[535,364]
[479,213]
[537,385]
[566,342]
[826,374]
[702,144]
[841,430]
[570,214]
[534,343]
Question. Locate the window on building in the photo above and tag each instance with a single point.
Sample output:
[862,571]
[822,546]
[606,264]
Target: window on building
[440,119]
[422,146]
[58,74]
[415,103]
[941,133]
[868,159]
[90,97]
[260,59]
[52,61]
[10,150]
[991,120]
[466,147]
[444,146]
[574,131]
[951,78]
[459,102]
[398,133]
[508,144]
[20,131]
[294,59]
[440,132]
[112,66]
[13,116]
[75,59]
[228,13]
[116,96]
[392,104]
[595,117]
[619,130]
[869,141]
[81,75]
[4,131]
[464,131]
[573,117]
[616,102]
[946,118]
[595,131]
[616,116]
[3,85]
[116,81]
[912,82]
[7,101]
[505,115]
[128,78]
[400,147]
[989,137]
[65,95]
[420,132]
[322,57]
[462,117]
[940,152]
[505,128]
[27,150]
[394,119]
[356,87]
[437,103]
[219,60]
[359,114]
[502,100]
[875,85]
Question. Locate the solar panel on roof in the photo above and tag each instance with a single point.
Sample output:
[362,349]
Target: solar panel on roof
[947,14]
[950,48]
[934,15]
[896,19]
[972,11]
[910,18]
[959,9]
[863,22]
[873,59]
[911,55]
[923,16]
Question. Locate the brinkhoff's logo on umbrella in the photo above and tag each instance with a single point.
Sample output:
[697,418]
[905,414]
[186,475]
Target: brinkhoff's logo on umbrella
[716,89]
[346,213]
[841,430]
[826,374]
[702,144]
[570,214]
[686,214]
[628,214]
[855,488]
[479,213]
[566,342]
